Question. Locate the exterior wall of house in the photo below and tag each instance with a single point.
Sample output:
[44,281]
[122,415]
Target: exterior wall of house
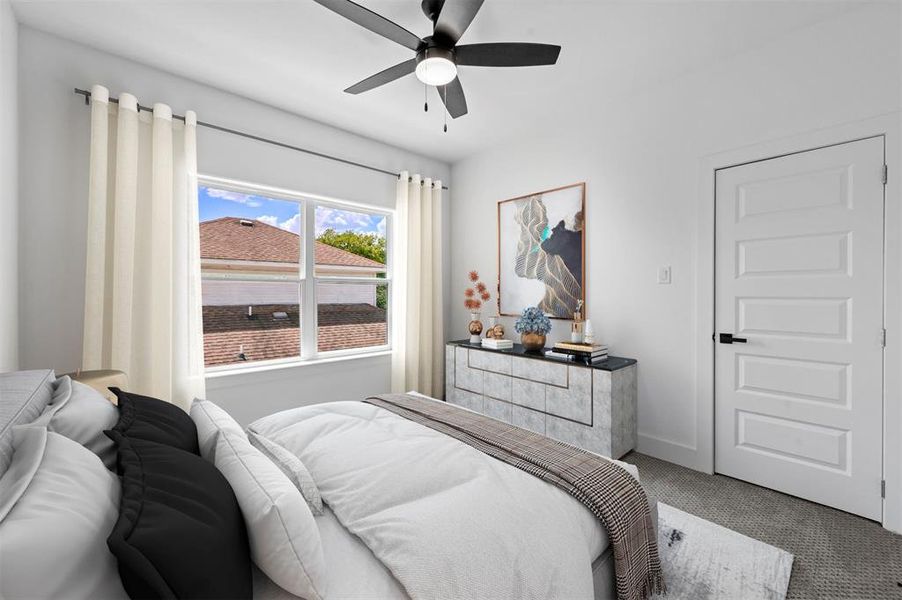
[231,293]
[346,293]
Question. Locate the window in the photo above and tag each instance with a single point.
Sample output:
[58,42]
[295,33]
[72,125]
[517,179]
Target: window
[287,277]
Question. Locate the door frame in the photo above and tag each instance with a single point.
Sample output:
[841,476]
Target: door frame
[890,127]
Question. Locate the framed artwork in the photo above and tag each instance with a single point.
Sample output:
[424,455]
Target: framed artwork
[542,252]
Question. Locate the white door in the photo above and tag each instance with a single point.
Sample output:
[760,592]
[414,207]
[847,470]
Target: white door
[799,284]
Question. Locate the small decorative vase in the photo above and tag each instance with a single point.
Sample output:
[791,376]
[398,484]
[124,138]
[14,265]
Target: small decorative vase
[475,328]
[588,333]
[532,341]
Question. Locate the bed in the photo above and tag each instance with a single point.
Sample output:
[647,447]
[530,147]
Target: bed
[407,511]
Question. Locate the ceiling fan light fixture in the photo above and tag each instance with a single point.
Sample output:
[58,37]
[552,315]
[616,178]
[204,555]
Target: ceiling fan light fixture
[436,70]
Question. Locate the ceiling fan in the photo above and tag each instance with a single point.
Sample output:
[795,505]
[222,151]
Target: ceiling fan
[438,55]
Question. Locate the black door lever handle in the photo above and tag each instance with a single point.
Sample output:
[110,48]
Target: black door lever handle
[727,338]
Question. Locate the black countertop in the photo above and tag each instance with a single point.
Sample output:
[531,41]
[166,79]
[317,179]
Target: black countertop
[613,363]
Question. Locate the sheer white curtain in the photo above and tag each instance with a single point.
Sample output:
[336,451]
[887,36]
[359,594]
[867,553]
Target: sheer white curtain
[417,327]
[142,282]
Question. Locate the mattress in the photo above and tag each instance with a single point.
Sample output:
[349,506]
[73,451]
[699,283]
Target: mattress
[356,574]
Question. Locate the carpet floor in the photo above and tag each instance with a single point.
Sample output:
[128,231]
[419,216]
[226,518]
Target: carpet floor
[837,555]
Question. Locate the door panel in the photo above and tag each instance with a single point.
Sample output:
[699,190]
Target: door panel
[799,275]
[792,379]
[826,318]
[795,256]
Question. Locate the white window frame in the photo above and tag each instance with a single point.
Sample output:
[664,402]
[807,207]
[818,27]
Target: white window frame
[306,279]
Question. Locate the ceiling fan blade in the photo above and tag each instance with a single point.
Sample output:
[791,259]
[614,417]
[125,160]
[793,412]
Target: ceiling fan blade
[454,18]
[372,21]
[507,54]
[382,77]
[453,97]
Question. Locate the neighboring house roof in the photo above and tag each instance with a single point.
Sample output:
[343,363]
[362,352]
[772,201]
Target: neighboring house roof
[227,239]
[264,337]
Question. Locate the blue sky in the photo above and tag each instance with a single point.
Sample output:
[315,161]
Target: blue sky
[214,203]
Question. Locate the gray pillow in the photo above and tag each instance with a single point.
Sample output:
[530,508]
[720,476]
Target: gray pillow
[210,419]
[23,396]
[58,504]
[82,414]
[293,468]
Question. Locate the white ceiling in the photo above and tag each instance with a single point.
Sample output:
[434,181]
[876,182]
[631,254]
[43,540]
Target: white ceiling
[299,56]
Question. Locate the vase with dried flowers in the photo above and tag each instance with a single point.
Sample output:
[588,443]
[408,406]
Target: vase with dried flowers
[474,297]
[533,325]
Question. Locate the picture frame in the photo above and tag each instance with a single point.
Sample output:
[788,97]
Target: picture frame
[542,252]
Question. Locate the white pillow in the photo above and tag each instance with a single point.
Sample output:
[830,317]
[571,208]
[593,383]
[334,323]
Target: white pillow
[58,504]
[284,539]
[293,468]
[81,413]
[210,419]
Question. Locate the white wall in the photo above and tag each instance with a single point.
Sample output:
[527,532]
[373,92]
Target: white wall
[641,157]
[9,194]
[55,133]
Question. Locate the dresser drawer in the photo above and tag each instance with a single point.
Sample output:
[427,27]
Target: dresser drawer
[575,401]
[490,361]
[466,378]
[543,371]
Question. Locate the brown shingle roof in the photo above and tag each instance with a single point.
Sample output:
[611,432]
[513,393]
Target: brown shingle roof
[227,239]
[341,326]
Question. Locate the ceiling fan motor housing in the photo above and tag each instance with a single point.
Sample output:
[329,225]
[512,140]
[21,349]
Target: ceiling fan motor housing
[430,49]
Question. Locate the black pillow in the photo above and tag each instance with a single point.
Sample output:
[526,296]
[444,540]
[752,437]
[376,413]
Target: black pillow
[180,532]
[147,418]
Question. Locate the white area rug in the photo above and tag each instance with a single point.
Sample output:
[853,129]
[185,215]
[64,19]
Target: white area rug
[703,560]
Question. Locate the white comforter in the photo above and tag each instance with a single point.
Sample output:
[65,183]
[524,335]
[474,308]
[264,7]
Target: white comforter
[445,519]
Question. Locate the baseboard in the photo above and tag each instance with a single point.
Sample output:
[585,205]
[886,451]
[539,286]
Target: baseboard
[673,452]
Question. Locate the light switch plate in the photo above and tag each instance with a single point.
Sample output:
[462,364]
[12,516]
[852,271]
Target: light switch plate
[664,275]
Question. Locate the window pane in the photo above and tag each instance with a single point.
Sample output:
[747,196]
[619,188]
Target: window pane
[349,244]
[248,234]
[351,315]
[248,321]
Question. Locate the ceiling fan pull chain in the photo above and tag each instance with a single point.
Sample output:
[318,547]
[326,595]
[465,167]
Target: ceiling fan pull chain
[425,98]
[445,89]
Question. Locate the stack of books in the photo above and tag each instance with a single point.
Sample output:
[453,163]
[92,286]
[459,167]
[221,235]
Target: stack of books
[497,344]
[588,353]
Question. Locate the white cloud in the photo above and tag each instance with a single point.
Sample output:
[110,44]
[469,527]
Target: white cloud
[269,220]
[293,224]
[246,199]
[343,220]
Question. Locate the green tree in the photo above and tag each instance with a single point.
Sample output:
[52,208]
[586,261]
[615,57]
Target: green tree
[368,245]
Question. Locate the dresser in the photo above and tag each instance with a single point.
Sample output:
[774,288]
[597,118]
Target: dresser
[593,407]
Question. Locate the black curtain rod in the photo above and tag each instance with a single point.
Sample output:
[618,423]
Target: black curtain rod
[250,136]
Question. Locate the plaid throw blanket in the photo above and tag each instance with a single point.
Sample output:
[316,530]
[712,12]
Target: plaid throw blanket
[611,493]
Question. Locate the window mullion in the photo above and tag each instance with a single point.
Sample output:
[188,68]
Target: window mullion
[308,288]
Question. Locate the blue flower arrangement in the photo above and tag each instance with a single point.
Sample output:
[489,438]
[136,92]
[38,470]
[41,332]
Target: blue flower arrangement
[533,320]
